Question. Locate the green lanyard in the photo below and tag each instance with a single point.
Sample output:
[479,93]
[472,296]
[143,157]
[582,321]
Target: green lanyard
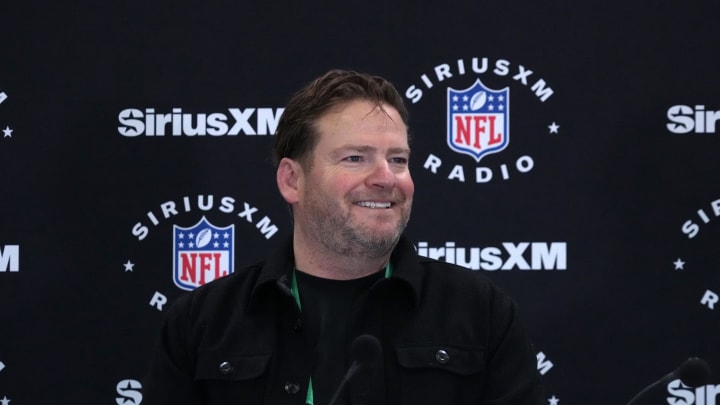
[309,399]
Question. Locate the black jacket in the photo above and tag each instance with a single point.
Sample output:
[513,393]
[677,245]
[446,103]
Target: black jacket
[448,335]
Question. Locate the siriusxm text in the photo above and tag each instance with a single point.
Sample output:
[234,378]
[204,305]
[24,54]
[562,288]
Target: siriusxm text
[248,121]
[204,203]
[507,256]
[684,119]
[681,394]
[692,227]
[129,391]
[9,258]
[480,66]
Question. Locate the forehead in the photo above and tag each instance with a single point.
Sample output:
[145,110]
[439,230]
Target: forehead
[360,118]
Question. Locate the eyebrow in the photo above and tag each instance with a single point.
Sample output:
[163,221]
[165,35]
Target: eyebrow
[367,148]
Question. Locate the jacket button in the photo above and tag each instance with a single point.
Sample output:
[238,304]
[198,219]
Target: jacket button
[442,356]
[292,388]
[226,368]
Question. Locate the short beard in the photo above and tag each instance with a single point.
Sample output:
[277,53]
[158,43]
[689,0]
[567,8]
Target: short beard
[357,244]
[348,241]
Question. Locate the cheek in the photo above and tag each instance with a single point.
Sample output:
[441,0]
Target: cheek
[344,184]
[329,188]
[407,186]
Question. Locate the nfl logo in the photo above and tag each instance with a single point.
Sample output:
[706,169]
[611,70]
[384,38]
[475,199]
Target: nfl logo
[478,120]
[202,253]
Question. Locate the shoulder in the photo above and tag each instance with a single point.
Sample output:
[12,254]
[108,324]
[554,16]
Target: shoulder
[463,286]
[439,271]
[231,291]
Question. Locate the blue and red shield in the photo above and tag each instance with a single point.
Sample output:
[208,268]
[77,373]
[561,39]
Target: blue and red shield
[478,120]
[202,253]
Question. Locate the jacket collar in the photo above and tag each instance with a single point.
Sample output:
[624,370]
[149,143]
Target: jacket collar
[277,269]
[407,271]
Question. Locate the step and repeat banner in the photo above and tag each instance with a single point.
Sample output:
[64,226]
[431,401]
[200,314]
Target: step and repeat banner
[129,128]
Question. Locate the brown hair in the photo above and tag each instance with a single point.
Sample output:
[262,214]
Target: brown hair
[296,135]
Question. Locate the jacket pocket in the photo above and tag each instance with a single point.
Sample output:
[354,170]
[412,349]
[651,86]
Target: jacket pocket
[438,374]
[456,359]
[218,365]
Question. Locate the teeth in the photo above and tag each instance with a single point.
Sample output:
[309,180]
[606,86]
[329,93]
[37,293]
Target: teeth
[370,204]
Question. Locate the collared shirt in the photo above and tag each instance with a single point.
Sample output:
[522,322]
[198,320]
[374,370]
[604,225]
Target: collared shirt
[448,336]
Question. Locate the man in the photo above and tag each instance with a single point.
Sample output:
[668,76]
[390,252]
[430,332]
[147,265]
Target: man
[347,289]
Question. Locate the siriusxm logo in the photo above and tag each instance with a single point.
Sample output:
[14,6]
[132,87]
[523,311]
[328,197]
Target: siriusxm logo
[9,258]
[477,117]
[511,256]
[205,203]
[681,394]
[684,119]
[480,66]
[248,121]
[201,252]
[129,391]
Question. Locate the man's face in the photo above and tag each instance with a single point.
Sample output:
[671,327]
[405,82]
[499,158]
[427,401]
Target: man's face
[357,195]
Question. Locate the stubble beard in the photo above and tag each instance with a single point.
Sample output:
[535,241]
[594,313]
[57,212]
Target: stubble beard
[335,230]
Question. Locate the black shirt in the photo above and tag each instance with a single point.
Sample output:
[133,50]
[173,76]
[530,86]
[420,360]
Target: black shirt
[327,310]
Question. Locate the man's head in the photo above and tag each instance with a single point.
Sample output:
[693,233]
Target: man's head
[296,133]
[343,165]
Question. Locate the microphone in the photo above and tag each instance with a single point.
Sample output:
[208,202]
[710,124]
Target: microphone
[693,372]
[367,358]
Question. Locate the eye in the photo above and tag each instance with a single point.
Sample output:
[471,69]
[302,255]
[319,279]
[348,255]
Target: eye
[400,160]
[354,158]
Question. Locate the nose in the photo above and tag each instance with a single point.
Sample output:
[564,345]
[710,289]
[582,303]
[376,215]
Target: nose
[382,175]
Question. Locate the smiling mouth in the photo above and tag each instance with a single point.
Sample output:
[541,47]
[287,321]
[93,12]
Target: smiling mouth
[373,204]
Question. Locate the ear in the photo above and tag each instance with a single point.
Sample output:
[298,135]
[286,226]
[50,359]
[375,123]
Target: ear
[288,176]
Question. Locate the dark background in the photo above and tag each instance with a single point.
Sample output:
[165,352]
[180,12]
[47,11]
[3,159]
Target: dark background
[614,183]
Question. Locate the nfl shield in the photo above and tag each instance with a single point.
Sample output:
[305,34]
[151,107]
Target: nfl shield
[202,253]
[478,120]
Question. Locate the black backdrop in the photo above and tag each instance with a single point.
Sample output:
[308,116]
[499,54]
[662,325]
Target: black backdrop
[603,207]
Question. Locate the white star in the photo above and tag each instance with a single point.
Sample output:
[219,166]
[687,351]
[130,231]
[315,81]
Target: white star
[2,366]
[554,400]
[679,264]
[216,235]
[5,401]
[554,128]
[129,266]
[226,235]
[8,132]
[216,245]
